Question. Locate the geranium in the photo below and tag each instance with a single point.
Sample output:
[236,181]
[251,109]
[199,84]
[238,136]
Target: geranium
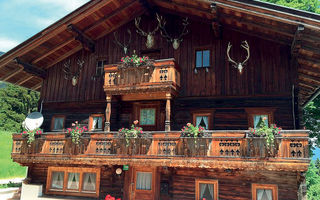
[109,197]
[76,131]
[192,131]
[264,131]
[135,61]
[134,132]
[31,134]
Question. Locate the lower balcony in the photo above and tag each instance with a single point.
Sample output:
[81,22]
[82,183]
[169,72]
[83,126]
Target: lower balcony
[220,149]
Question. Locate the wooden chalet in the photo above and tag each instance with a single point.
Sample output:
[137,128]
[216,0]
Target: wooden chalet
[75,65]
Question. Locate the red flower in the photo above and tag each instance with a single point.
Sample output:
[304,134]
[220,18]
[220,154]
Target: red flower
[24,132]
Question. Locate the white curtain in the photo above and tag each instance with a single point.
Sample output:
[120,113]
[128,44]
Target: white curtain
[58,123]
[263,194]
[206,191]
[89,181]
[73,181]
[205,120]
[96,123]
[257,118]
[57,180]
[144,180]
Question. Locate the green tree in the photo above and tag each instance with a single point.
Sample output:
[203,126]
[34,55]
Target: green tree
[15,104]
[307,5]
[313,181]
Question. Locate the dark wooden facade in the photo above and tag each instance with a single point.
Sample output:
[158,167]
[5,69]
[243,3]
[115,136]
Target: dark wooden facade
[280,76]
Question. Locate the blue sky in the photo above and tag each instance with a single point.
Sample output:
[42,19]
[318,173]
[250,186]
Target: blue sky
[21,19]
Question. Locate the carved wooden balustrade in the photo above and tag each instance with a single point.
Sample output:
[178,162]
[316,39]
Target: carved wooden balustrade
[163,76]
[232,149]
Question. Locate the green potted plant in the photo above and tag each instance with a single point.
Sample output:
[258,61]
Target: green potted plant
[75,132]
[138,140]
[192,138]
[31,135]
[135,61]
[262,140]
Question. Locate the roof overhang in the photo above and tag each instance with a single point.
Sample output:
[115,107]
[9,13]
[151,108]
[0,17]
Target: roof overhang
[298,29]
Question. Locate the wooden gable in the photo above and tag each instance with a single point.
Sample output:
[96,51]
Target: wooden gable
[297,30]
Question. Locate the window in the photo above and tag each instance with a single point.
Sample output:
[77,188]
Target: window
[96,122]
[100,67]
[264,192]
[203,58]
[71,180]
[203,119]
[206,189]
[147,116]
[258,119]
[257,115]
[57,123]
[144,180]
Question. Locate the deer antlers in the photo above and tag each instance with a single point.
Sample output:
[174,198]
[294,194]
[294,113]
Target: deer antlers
[69,75]
[239,65]
[124,46]
[175,41]
[149,35]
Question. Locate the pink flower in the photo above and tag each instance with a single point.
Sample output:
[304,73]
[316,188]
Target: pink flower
[264,118]
[135,122]
[85,128]
[188,124]
[77,128]
[24,132]
[20,133]
[73,124]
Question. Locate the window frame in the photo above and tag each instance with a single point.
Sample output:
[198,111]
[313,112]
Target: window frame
[155,116]
[137,106]
[208,113]
[53,119]
[80,191]
[91,122]
[207,181]
[104,62]
[273,187]
[203,48]
[251,112]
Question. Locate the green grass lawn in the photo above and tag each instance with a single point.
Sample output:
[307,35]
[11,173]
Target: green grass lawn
[8,168]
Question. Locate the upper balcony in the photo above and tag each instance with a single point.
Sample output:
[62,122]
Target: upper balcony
[133,83]
[220,149]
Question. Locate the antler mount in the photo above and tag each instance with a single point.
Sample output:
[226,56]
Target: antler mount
[239,65]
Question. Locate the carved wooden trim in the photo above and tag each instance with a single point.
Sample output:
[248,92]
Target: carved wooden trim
[256,186]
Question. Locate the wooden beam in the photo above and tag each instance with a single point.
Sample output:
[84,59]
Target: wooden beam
[66,55]
[307,70]
[108,16]
[85,40]
[36,87]
[31,69]
[53,30]
[296,43]
[23,80]
[11,74]
[310,79]
[56,48]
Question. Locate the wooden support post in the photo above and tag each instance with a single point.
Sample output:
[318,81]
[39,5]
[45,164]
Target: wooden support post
[31,69]
[85,40]
[108,114]
[168,112]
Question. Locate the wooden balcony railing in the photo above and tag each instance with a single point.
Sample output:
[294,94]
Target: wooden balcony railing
[231,146]
[162,76]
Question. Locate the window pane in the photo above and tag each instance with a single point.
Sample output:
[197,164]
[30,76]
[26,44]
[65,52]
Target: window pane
[96,123]
[259,119]
[73,181]
[144,180]
[202,121]
[198,58]
[264,194]
[147,116]
[57,180]
[58,123]
[206,191]
[206,58]
[89,182]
